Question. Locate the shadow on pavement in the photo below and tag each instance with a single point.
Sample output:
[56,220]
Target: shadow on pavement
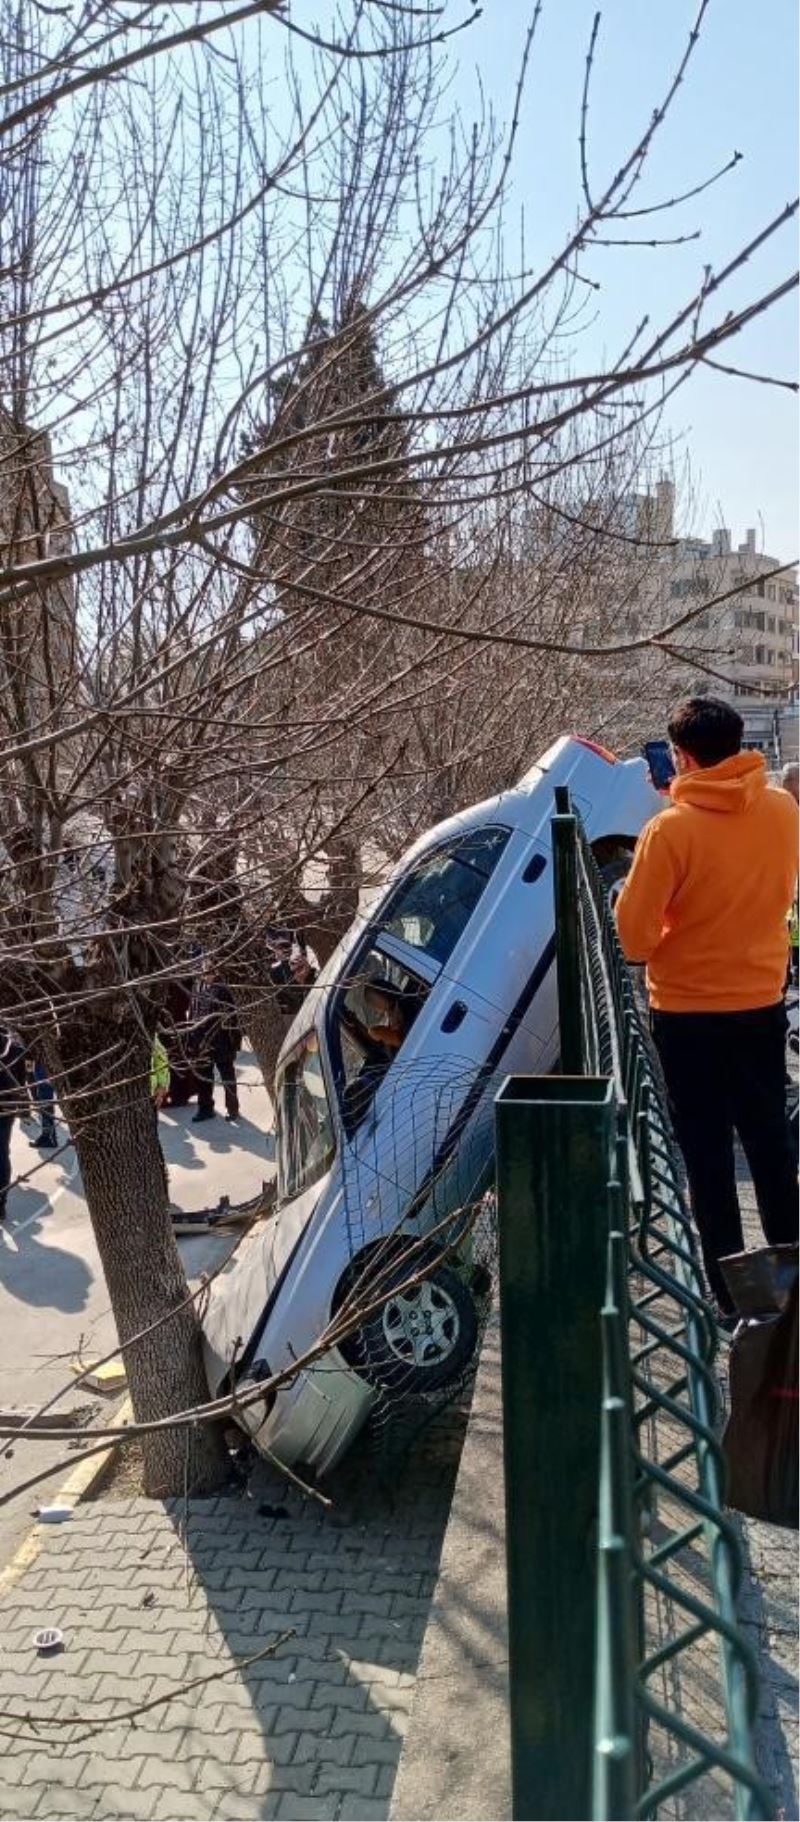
[355,1582]
[42,1275]
[178,1136]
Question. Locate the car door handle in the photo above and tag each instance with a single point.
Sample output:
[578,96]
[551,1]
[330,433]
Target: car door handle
[454,1016]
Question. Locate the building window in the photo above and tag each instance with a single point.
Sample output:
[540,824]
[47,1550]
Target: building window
[770,623]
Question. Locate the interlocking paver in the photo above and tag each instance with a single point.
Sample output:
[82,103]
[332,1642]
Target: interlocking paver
[305,1808]
[363,1809]
[368,1751]
[295,1720]
[373,1720]
[177,1806]
[312,1732]
[249,1809]
[345,1695]
[360,1779]
[129,1805]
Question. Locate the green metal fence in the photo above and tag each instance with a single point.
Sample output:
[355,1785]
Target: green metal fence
[633,1693]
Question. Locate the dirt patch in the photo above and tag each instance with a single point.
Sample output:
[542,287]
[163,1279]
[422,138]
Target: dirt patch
[122,1477]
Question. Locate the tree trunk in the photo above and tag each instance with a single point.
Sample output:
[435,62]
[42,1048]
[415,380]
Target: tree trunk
[322,925]
[115,1135]
[266,1027]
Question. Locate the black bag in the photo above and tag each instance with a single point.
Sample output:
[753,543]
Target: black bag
[761,1440]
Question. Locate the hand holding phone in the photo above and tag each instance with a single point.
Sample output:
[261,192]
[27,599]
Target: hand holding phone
[658,754]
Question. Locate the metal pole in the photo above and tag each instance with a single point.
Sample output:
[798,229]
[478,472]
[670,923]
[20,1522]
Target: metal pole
[619,1764]
[568,969]
[555,1141]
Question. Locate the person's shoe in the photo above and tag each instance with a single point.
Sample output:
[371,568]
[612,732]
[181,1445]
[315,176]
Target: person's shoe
[232,1114]
[46,1141]
[201,1114]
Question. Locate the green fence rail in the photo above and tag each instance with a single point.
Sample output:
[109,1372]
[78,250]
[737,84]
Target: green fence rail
[633,1692]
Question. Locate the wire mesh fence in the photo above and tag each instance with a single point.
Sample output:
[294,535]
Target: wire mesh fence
[674,1685]
[695,1681]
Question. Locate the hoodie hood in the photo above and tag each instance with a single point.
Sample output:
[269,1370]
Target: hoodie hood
[733,785]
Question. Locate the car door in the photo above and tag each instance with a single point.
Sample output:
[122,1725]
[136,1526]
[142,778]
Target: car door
[393,1139]
[396,1143]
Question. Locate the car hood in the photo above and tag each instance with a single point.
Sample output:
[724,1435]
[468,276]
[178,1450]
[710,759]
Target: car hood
[241,1294]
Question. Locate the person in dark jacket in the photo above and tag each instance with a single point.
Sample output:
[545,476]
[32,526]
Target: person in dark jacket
[43,1097]
[13,1102]
[215,1040]
[292,970]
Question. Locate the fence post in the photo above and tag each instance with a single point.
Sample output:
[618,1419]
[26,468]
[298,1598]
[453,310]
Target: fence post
[555,1142]
[568,971]
[619,1756]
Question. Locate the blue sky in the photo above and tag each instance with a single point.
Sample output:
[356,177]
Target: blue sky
[741,94]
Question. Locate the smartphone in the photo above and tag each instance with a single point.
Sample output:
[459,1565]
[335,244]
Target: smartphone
[659,759]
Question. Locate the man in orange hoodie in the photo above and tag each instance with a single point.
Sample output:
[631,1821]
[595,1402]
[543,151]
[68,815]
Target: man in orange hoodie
[705,906]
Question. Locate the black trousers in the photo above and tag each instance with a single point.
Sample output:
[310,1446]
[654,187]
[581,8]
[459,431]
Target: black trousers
[221,1056]
[726,1074]
[6,1129]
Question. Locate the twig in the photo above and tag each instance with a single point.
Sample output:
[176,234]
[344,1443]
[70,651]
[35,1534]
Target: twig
[94,1723]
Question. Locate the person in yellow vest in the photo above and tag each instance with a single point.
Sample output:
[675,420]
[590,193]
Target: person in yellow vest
[159,1089]
[159,1074]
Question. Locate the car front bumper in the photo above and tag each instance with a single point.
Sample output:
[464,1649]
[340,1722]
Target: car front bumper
[315,1418]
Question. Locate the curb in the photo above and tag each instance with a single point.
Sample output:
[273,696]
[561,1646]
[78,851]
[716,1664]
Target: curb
[76,1487]
[85,1476]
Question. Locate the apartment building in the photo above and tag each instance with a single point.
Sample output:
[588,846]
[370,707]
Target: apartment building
[35,522]
[750,640]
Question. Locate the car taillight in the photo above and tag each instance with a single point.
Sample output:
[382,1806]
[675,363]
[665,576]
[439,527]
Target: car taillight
[594,747]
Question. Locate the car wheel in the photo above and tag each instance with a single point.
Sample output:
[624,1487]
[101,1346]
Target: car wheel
[422,1338]
[614,874]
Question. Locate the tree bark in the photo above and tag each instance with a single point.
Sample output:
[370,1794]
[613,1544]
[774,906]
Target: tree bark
[112,1120]
[322,926]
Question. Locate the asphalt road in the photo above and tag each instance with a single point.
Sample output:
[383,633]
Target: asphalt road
[53,1299]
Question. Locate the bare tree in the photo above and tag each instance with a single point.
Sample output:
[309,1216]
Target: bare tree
[270,626]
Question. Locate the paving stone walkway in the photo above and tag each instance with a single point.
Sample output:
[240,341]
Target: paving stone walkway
[149,1596]
[152,1596]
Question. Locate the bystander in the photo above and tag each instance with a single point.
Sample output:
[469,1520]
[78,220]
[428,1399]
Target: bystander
[705,906]
[215,1039]
[13,1102]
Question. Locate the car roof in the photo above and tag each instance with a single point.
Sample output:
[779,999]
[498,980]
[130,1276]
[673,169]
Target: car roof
[507,807]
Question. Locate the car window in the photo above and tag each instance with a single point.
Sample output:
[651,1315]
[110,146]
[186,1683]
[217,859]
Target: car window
[305,1128]
[430,910]
[372,1016]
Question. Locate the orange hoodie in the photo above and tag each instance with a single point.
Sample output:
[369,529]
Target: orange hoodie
[706,900]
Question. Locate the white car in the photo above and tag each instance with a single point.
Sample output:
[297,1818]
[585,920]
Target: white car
[385,1120]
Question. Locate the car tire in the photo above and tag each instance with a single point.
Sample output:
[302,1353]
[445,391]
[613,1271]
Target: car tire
[614,873]
[422,1339]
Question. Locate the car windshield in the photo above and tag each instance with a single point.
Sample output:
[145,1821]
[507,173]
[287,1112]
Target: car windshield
[373,1014]
[431,910]
[305,1129]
